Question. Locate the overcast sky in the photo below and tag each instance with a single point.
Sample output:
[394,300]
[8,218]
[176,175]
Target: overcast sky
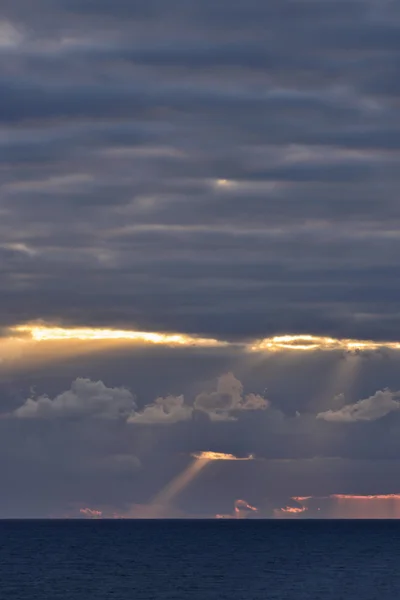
[227,169]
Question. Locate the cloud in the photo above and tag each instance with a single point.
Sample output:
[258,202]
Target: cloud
[97,446]
[221,405]
[85,399]
[352,506]
[288,511]
[93,399]
[228,398]
[302,129]
[295,105]
[241,510]
[163,411]
[91,513]
[373,408]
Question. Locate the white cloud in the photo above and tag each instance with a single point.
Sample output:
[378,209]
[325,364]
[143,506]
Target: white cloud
[373,408]
[219,405]
[86,398]
[229,398]
[164,410]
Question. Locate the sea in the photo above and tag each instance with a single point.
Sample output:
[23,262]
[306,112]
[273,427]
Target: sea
[199,559]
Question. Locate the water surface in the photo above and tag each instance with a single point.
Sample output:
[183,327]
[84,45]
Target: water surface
[202,560]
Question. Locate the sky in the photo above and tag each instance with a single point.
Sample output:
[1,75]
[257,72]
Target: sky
[199,249]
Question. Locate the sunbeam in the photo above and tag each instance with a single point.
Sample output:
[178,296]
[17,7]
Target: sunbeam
[161,501]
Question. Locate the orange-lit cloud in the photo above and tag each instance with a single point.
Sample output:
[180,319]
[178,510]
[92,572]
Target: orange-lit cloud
[314,342]
[40,333]
[301,499]
[353,506]
[91,513]
[368,497]
[241,509]
[219,456]
[289,511]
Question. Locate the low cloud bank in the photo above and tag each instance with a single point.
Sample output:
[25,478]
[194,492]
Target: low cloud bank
[93,399]
[373,408]
[86,398]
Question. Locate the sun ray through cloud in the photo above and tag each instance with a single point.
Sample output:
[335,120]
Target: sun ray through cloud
[161,502]
[163,499]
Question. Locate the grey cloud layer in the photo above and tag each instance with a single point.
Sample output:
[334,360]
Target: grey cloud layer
[117,119]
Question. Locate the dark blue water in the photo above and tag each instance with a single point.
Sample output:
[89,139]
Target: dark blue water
[203,560]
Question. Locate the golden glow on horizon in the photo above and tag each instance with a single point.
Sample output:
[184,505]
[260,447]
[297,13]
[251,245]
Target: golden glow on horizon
[280,343]
[40,333]
[334,506]
[313,342]
[301,499]
[219,456]
[354,506]
[381,506]
[371,497]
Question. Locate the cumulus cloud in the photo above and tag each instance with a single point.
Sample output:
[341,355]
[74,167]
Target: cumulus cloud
[373,408]
[228,398]
[163,411]
[220,405]
[93,399]
[85,399]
